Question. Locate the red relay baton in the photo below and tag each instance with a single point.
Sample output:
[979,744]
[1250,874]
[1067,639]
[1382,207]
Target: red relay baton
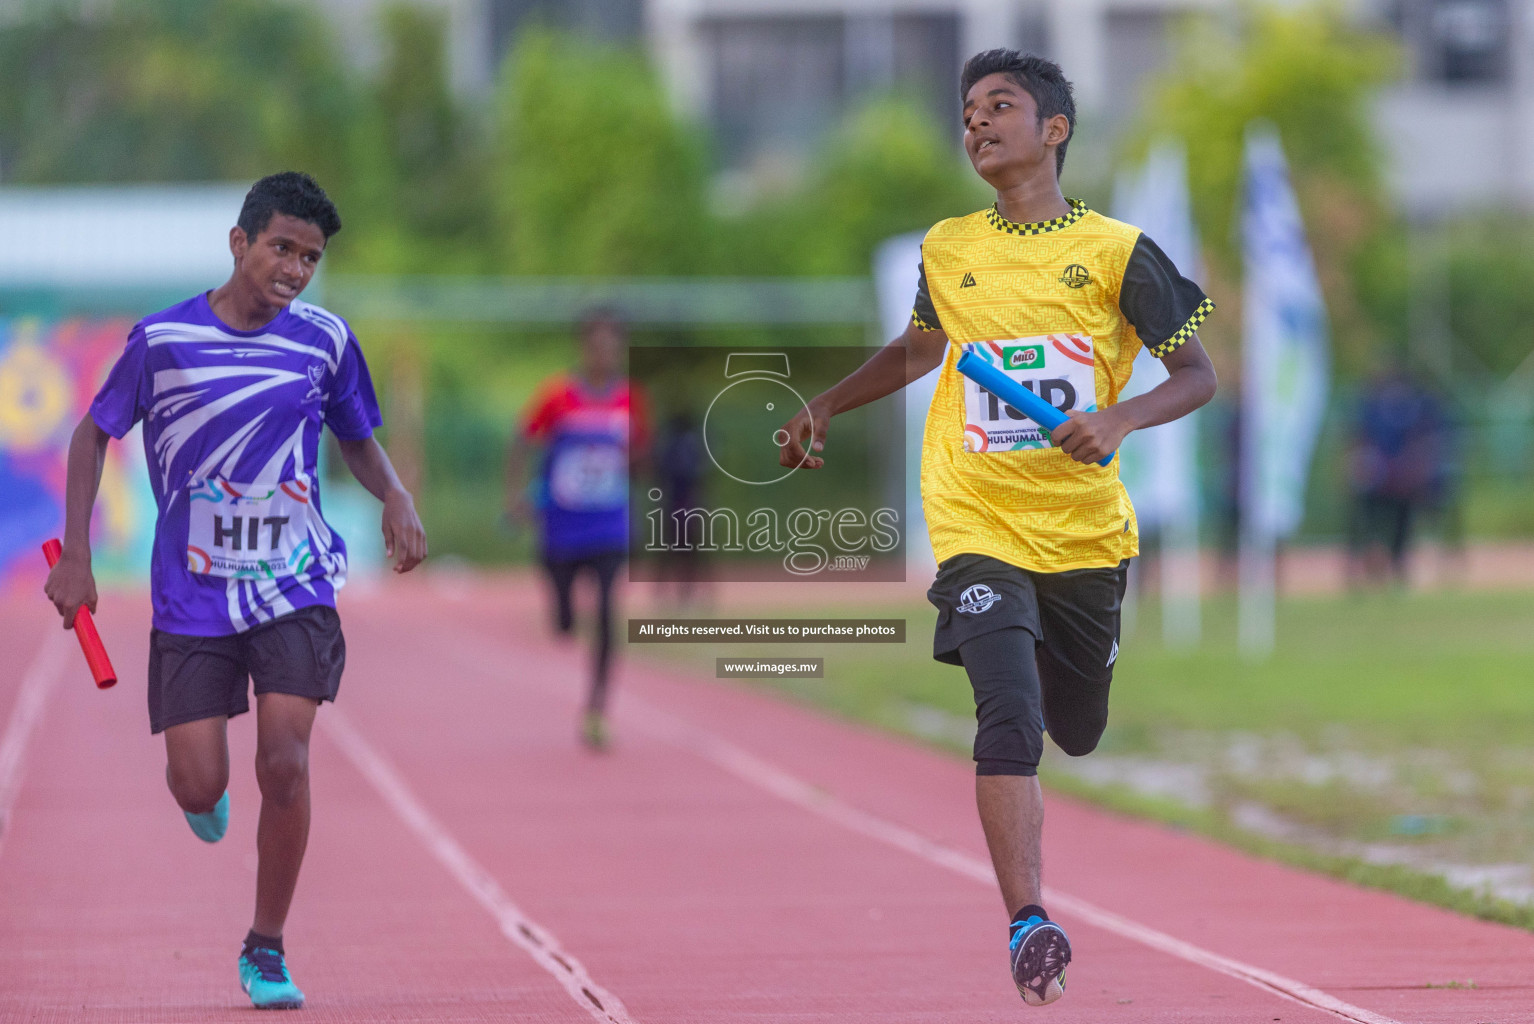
[85,629]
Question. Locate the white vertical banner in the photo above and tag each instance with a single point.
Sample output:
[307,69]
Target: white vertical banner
[895,277]
[1285,375]
[1159,465]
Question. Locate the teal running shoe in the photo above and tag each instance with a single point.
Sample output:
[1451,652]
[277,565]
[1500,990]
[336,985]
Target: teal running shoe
[211,825]
[1040,953]
[264,977]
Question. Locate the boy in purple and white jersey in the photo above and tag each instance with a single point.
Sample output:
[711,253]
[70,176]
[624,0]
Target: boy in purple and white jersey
[222,409]
[234,387]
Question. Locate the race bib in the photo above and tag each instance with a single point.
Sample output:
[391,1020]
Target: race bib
[246,531]
[1059,368]
[589,477]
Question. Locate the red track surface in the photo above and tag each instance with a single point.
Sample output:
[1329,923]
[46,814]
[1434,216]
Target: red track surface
[733,858]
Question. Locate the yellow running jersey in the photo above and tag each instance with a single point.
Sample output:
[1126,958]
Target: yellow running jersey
[1063,307]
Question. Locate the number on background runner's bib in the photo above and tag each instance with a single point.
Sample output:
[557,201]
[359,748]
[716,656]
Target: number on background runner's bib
[589,476]
[248,531]
[1059,368]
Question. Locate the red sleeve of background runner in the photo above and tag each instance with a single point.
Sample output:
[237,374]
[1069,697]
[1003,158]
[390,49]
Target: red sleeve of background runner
[639,422]
[548,405]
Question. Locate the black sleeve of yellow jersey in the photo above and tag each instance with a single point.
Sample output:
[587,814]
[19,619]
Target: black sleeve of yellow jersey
[923,313]
[1164,307]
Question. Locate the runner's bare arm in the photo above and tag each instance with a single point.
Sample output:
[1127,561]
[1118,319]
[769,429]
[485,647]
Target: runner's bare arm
[1091,436]
[912,355]
[70,582]
[404,536]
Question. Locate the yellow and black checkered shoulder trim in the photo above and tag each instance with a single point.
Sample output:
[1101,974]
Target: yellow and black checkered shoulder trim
[1184,332]
[1038,227]
[921,325]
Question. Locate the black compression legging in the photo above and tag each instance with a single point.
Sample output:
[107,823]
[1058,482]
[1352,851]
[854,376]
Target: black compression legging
[1022,688]
[562,574]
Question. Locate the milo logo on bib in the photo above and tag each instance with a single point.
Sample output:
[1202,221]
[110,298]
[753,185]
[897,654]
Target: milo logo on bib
[1022,357]
[1059,368]
[248,531]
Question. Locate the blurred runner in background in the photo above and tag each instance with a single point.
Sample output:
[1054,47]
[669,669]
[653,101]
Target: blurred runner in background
[586,429]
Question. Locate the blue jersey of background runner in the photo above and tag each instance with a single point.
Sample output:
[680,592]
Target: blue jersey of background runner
[582,484]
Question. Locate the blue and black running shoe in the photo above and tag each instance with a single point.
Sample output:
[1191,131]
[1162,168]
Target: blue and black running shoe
[264,977]
[1040,952]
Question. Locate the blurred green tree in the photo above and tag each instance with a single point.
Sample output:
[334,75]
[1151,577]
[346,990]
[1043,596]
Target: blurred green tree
[171,90]
[593,173]
[885,170]
[1491,293]
[1311,72]
[417,186]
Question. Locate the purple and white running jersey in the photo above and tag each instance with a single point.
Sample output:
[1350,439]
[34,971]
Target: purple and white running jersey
[232,424]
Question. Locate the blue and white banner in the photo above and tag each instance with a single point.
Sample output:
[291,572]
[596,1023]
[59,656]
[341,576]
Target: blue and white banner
[1285,361]
[1159,465]
[1285,375]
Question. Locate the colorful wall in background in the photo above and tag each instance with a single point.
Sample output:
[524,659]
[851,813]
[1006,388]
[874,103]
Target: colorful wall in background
[49,371]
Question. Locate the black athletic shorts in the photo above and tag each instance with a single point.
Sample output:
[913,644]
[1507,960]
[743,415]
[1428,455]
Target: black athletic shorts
[195,677]
[1039,649]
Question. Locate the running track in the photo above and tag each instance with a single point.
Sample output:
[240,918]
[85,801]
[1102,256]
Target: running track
[735,858]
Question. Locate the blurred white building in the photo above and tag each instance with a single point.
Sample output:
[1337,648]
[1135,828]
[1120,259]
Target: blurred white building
[481,31]
[1459,128]
[770,76]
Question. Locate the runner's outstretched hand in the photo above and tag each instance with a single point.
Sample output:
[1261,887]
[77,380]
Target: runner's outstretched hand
[404,536]
[806,434]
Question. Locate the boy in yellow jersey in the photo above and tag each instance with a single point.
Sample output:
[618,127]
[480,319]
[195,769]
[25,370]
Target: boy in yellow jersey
[1033,538]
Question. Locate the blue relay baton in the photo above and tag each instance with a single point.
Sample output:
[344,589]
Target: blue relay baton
[1014,394]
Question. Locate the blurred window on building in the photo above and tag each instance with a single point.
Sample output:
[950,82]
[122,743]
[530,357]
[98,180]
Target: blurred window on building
[927,61]
[1457,41]
[1470,40]
[1033,33]
[601,19]
[778,84]
[1138,47]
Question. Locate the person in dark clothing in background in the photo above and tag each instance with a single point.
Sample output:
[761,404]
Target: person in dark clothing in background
[1396,462]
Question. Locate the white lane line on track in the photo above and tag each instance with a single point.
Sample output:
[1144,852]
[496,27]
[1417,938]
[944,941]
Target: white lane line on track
[31,697]
[767,776]
[545,950]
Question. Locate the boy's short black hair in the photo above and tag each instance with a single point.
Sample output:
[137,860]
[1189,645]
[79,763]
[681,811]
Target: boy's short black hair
[293,193]
[1042,79]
